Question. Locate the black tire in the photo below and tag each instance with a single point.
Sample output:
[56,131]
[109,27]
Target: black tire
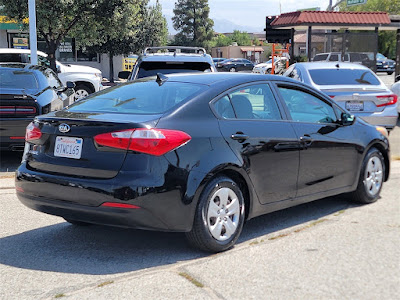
[363,193]
[200,236]
[76,223]
[81,90]
[389,73]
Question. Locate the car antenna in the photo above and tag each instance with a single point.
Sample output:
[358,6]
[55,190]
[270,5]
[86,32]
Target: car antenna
[337,66]
[161,78]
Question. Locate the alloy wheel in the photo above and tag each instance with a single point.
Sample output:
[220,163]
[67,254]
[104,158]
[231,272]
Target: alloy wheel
[373,176]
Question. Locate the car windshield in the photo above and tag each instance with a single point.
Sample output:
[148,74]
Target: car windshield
[147,69]
[139,97]
[343,77]
[17,79]
[380,56]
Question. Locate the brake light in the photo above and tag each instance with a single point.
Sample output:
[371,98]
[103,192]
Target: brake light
[32,132]
[151,141]
[387,100]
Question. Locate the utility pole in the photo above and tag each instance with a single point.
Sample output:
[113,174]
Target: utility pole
[32,32]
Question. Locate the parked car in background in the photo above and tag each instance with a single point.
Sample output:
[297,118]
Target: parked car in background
[265,67]
[396,90]
[353,57]
[218,60]
[198,153]
[25,92]
[354,87]
[87,79]
[384,64]
[235,65]
[169,60]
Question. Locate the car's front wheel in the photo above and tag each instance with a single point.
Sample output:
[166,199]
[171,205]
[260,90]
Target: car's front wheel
[232,69]
[219,216]
[371,178]
[389,73]
[81,91]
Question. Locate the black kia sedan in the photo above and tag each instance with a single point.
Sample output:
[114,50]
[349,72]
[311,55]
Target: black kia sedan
[25,92]
[198,153]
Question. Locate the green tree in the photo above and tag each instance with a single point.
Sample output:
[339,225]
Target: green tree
[130,29]
[241,38]
[192,22]
[57,18]
[387,39]
[221,41]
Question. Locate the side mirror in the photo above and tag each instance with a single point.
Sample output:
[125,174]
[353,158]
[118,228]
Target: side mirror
[347,119]
[70,85]
[124,74]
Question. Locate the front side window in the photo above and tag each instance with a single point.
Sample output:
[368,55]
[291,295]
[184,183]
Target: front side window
[334,57]
[320,57]
[304,107]
[255,102]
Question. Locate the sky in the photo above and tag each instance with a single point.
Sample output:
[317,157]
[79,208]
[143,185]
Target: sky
[248,15]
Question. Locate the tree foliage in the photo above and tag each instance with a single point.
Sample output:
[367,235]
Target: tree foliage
[111,26]
[387,39]
[192,22]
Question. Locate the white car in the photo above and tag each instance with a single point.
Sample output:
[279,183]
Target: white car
[265,67]
[396,90]
[87,79]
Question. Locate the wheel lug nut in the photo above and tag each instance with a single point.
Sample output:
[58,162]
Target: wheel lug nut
[225,219]
[226,211]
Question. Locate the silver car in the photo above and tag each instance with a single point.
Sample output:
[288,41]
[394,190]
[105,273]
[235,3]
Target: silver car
[353,86]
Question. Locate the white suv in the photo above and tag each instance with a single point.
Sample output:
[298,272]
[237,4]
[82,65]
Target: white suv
[87,79]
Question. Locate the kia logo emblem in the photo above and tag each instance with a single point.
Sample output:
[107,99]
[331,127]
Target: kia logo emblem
[64,128]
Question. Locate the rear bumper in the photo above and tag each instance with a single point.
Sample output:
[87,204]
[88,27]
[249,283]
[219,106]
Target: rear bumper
[387,118]
[13,133]
[80,199]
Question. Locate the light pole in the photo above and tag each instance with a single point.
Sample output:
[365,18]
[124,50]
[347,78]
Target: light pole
[32,32]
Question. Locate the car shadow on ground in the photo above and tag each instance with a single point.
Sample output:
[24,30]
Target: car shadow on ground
[10,161]
[100,250]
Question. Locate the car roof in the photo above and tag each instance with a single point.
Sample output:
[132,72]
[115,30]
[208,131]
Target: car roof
[217,77]
[22,66]
[331,65]
[178,57]
[21,51]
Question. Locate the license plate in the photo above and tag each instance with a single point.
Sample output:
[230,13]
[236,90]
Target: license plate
[69,147]
[355,105]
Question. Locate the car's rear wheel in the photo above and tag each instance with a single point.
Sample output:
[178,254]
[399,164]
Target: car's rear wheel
[232,69]
[371,178]
[389,73]
[219,216]
[76,223]
[268,71]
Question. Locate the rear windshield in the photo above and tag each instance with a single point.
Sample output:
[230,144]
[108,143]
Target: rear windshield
[139,97]
[17,79]
[147,69]
[343,77]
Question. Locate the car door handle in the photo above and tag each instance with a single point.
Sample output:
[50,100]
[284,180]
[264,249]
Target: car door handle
[239,137]
[306,140]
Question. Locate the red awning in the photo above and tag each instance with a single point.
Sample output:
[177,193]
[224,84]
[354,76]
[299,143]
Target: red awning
[331,18]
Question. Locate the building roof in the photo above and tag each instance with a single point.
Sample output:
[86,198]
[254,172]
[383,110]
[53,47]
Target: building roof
[331,18]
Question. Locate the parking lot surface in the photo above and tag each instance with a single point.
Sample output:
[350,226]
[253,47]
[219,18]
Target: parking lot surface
[327,249]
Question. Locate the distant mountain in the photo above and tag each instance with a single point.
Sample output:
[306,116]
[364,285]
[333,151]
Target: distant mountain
[220,25]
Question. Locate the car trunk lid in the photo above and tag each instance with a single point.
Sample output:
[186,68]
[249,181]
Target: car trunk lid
[67,145]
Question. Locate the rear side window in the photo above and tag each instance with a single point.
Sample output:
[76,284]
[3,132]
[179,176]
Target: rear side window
[148,68]
[343,77]
[17,79]
[334,57]
[320,57]
[139,97]
[255,102]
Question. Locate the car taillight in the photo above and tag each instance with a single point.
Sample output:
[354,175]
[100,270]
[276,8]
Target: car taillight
[32,132]
[387,100]
[151,141]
